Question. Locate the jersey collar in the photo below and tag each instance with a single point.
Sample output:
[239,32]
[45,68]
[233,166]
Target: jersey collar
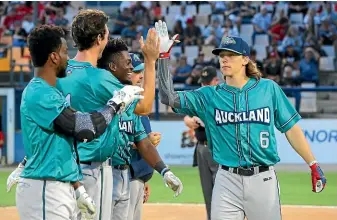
[77,64]
[251,82]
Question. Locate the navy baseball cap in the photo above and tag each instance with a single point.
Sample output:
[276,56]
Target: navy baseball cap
[234,44]
[137,64]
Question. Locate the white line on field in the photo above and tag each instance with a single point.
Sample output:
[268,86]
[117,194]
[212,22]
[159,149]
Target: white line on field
[285,206]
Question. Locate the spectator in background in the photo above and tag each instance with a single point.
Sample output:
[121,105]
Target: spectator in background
[327,12]
[247,12]
[122,21]
[156,12]
[214,28]
[192,33]
[290,76]
[193,79]
[218,7]
[297,7]
[292,38]
[229,29]
[309,66]
[130,31]
[19,35]
[311,19]
[60,20]
[178,29]
[10,19]
[139,12]
[233,11]
[144,28]
[200,61]
[327,32]
[182,71]
[291,56]
[261,22]
[253,57]
[183,16]
[28,23]
[273,68]
[279,30]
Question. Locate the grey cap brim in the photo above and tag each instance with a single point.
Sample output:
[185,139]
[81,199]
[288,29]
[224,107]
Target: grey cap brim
[217,51]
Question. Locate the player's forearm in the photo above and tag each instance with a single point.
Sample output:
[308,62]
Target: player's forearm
[144,106]
[167,94]
[297,140]
[85,126]
[150,154]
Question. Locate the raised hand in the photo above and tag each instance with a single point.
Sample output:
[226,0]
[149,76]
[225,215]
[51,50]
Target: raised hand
[165,42]
[151,47]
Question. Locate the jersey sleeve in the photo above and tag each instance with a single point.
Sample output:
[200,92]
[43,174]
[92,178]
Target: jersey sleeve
[47,107]
[139,133]
[286,115]
[146,123]
[192,103]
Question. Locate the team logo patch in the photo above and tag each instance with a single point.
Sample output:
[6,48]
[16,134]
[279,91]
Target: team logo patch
[136,58]
[204,74]
[259,116]
[227,40]
[68,72]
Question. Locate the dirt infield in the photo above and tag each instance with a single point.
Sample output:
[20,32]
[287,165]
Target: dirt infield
[197,212]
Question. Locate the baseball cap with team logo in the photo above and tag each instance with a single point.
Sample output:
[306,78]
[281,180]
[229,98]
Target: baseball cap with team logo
[207,74]
[234,44]
[137,64]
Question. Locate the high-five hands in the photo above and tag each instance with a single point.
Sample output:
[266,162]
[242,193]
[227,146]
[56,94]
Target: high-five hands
[166,43]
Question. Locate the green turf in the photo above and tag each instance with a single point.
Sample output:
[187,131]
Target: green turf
[295,189]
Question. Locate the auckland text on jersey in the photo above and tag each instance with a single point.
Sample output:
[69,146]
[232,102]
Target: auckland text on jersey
[261,116]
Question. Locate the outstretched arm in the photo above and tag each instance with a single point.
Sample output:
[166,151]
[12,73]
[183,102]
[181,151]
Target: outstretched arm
[166,90]
[151,54]
[88,126]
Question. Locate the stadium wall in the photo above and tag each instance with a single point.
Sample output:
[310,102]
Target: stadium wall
[321,134]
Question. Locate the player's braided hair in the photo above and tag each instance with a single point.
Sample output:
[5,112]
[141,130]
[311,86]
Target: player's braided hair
[252,71]
[87,26]
[111,52]
[42,41]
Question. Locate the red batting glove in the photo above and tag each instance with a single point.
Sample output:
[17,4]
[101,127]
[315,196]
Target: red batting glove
[317,177]
[166,43]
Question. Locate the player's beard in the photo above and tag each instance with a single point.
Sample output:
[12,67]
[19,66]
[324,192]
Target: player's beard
[61,72]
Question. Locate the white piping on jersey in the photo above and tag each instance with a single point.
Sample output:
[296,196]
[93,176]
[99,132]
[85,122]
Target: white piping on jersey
[78,67]
[248,124]
[236,126]
[292,117]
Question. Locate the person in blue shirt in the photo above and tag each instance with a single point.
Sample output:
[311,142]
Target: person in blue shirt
[309,66]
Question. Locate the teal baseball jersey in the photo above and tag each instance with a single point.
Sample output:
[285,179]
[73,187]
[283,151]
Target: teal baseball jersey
[50,155]
[88,89]
[240,122]
[131,131]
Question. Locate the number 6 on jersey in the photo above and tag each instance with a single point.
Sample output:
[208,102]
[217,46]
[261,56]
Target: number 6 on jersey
[264,139]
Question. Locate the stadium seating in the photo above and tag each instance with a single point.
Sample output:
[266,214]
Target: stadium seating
[205,9]
[327,64]
[329,50]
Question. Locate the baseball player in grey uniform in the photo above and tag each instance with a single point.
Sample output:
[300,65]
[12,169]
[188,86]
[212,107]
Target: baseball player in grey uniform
[207,166]
[240,116]
[140,171]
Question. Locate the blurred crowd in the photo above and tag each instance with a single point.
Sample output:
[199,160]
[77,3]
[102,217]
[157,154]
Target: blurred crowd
[289,54]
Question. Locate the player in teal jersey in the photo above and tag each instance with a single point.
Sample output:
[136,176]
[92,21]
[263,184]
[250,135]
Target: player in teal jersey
[88,87]
[240,116]
[132,133]
[49,127]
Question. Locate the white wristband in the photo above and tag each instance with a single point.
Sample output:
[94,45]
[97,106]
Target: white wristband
[312,163]
[80,190]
